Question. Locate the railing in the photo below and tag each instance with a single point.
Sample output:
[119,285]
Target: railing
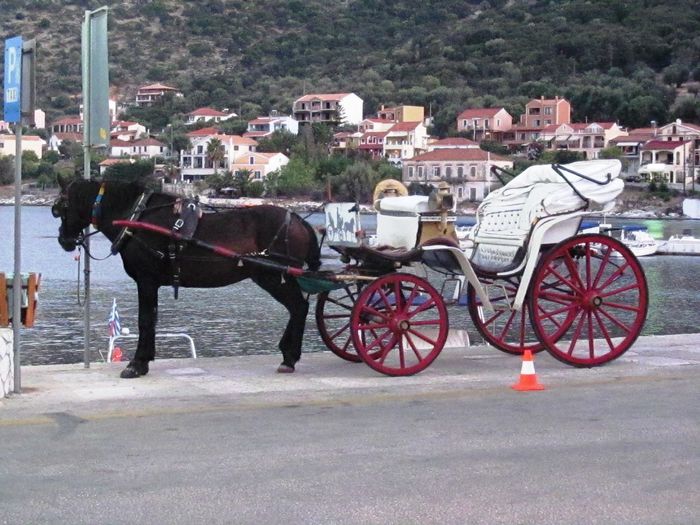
[112,339]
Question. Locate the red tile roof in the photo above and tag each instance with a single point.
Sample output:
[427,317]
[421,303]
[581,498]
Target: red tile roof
[203,132]
[478,113]
[455,141]
[148,142]
[663,144]
[116,143]
[457,154]
[68,120]
[207,112]
[404,126]
[322,96]
[157,87]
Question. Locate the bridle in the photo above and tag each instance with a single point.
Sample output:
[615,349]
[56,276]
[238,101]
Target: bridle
[59,210]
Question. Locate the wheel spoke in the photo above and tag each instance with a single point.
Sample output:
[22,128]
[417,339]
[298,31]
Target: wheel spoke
[576,334]
[614,320]
[413,347]
[604,330]
[422,336]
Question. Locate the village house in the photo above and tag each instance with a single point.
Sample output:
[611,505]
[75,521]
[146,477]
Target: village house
[258,164]
[145,148]
[667,160]
[332,109]
[33,143]
[630,145]
[127,130]
[208,115]
[265,126]
[539,113]
[405,140]
[466,168]
[402,114]
[586,139]
[196,163]
[147,95]
[484,123]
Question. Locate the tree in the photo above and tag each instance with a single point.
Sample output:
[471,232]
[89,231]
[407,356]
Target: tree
[216,153]
[280,141]
[128,171]
[7,169]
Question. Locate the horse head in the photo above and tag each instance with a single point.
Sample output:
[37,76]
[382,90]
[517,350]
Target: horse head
[73,212]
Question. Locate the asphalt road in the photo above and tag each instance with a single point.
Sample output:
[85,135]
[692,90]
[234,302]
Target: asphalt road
[613,449]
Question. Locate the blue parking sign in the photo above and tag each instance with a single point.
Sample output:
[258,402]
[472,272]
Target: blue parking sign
[13,79]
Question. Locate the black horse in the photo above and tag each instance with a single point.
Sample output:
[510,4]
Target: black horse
[268,234]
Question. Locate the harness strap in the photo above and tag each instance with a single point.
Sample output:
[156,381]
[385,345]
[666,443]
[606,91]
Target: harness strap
[97,206]
[136,212]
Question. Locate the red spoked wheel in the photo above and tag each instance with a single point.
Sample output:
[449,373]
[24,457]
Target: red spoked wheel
[399,324]
[507,329]
[589,300]
[333,311]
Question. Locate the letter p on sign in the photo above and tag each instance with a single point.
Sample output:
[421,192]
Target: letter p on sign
[13,79]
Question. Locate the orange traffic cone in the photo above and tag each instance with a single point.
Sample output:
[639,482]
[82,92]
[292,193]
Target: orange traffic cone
[528,377]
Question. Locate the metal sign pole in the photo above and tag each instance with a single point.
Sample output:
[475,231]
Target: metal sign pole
[86,175]
[96,119]
[17,282]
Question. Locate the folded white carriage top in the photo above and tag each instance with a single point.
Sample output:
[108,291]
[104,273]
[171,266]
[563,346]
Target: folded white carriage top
[540,191]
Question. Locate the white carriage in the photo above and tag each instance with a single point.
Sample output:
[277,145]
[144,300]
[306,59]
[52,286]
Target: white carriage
[533,282]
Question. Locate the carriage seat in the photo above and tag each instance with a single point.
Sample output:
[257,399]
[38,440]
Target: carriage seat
[507,216]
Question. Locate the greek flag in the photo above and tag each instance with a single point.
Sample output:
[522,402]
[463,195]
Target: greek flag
[114,325]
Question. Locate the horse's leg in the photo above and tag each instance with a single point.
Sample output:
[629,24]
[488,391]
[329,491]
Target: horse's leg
[287,291]
[148,316]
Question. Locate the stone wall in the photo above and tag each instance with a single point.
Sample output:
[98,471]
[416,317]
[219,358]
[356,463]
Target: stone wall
[7,369]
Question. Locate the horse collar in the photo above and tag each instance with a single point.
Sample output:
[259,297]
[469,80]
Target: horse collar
[97,206]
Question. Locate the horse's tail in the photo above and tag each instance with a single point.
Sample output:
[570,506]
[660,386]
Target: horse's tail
[313,256]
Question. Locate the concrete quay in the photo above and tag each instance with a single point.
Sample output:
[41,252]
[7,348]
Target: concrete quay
[251,381]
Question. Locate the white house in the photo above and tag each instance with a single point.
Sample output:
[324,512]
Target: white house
[29,143]
[328,108]
[259,164]
[264,126]
[196,163]
[127,130]
[147,148]
[208,115]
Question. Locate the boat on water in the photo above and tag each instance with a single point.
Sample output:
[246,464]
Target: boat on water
[636,237]
[691,208]
[680,244]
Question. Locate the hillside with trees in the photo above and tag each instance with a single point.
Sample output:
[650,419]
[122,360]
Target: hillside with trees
[633,61]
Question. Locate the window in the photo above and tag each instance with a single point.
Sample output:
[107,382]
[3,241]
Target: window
[200,149]
[235,148]
[460,192]
[436,171]
[258,175]
[460,171]
[547,111]
[448,171]
[472,172]
[420,172]
[251,160]
[410,172]
[486,123]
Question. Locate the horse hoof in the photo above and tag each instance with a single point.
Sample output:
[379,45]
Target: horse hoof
[133,370]
[285,369]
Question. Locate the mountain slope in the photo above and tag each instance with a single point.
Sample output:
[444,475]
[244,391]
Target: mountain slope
[614,60]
